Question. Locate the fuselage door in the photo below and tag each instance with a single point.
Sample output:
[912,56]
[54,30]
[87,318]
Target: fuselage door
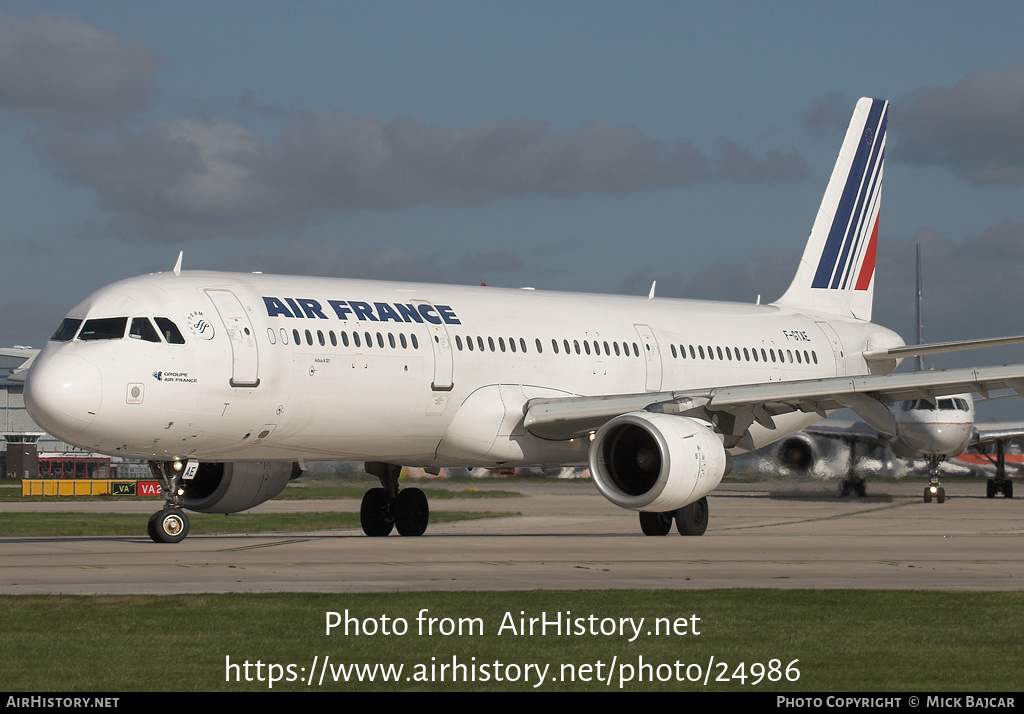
[837,347]
[441,344]
[245,361]
[652,355]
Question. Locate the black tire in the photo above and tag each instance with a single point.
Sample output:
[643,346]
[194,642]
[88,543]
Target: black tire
[940,495]
[928,495]
[692,520]
[375,514]
[655,524]
[168,526]
[862,489]
[990,488]
[1007,488]
[412,512]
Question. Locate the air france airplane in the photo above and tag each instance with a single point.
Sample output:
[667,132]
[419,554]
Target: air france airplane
[228,383]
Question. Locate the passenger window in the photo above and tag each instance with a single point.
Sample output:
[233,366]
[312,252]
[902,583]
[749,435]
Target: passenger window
[169,330]
[142,329]
[66,331]
[105,328]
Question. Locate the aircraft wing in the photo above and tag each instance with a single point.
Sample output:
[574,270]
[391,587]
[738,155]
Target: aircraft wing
[848,431]
[18,375]
[997,431]
[734,408]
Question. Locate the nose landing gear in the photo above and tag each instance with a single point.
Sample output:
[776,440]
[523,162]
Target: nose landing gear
[934,489]
[169,525]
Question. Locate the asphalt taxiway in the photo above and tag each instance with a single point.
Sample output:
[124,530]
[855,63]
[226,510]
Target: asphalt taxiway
[761,535]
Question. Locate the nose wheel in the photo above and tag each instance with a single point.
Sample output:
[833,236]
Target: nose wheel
[934,489]
[169,525]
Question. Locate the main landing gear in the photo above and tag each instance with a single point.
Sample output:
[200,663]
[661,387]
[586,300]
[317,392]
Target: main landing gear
[999,484]
[169,525]
[690,520]
[852,482]
[934,489]
[386,508]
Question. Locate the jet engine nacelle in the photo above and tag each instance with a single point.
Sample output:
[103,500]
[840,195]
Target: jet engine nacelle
[657,462]
[797,453]
[237,486]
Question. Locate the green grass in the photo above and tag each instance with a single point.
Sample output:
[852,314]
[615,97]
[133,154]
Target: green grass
[876,641]
[38,525]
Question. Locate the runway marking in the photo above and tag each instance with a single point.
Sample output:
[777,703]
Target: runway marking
[815,519]
[263,545]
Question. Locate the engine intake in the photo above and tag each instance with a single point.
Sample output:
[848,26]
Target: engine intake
[797,453]
[657,462]
[237,486]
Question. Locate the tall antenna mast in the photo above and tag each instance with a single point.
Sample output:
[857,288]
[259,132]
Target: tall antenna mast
[920,311]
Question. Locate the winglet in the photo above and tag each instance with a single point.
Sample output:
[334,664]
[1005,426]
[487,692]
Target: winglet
[837,270]
[177,265]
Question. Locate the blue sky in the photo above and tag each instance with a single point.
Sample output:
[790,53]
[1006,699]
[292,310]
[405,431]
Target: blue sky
[592,146]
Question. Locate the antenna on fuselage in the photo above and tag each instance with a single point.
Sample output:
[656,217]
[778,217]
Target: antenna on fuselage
[177,265]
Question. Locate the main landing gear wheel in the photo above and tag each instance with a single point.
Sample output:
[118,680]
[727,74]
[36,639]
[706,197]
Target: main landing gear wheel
[375,513]
[656,524]
[386,508]
[168,526]
[692,520]
[411,512]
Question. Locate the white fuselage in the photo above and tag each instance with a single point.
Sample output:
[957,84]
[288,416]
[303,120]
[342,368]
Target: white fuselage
[292,368]
[940,428]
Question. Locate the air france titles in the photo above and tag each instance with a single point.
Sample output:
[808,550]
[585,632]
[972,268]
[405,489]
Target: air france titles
[362,311]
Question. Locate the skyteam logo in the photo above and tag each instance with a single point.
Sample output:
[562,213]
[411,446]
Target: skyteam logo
[848,259]
[199,325]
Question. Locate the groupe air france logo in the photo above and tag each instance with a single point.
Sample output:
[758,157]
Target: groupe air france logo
[199,325]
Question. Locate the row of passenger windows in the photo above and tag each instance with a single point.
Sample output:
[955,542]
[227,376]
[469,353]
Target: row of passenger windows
[355,339]
[113,328]
[519,345]
[752,354]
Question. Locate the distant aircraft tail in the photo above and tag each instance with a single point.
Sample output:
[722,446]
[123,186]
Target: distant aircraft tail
[836,275]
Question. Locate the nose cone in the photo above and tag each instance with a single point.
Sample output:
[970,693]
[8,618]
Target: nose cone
[63,393]
[935,439]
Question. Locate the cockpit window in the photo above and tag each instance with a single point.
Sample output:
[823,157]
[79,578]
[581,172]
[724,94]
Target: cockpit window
[142,329]
[104,328]
[66,331]
[169,330]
